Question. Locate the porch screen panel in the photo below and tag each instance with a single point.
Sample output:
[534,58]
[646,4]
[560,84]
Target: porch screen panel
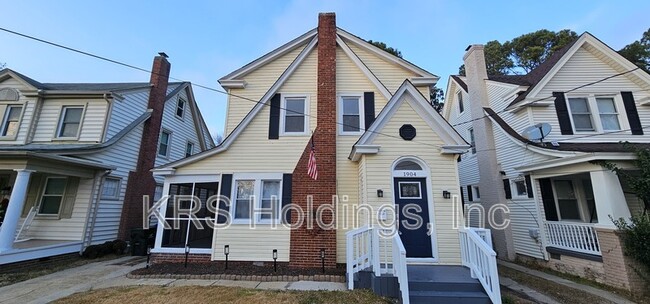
[201,237]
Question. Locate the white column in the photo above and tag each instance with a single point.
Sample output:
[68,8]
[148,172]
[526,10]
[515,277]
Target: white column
[16,203]
[609,197]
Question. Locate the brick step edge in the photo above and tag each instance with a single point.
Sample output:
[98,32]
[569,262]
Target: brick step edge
[236,277]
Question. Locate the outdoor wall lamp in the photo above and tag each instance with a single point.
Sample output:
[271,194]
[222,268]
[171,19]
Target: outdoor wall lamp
[380,193]
[275,260]
[187,254]
[446,194]
[226,251]
[322,259]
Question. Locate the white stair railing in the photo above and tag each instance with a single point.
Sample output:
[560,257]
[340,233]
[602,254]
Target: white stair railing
[480,258]
[573,236]
[399,268]
[362,250]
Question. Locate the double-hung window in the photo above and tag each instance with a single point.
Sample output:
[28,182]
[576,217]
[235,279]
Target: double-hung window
[180,108]
[70,122]
[111,188]
[11,120]
[163,146]
[461,106]
[189,149]
[257,198]
[471,140]
[594,114]
[52,195]
[351,114]
[294,115]
[520,189]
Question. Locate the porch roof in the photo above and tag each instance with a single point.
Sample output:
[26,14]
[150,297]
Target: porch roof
[581,158]
[44,162]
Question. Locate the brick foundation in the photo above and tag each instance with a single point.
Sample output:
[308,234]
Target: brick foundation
[141,181]
[306,243]
[587,269]
[621,270]
[179,258]
[38,263]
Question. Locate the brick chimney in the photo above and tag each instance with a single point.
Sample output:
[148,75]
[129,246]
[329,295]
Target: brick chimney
[306,244]
[490,185]
[141,181]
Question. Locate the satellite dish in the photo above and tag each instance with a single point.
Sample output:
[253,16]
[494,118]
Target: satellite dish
[537,132]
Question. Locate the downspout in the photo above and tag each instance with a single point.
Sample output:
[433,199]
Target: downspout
[88,231]
[108,97]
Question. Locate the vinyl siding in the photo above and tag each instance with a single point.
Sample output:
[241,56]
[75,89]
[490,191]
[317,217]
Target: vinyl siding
[258,82]
[125,111]
[65,229]
[390,74]
[443,173]
[28,111]
[256,244]
[584,67]
[92,124]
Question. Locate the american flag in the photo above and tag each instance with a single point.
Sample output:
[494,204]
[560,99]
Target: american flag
[312,170]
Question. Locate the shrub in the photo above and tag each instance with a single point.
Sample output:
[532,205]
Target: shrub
[110,247]
[636,237]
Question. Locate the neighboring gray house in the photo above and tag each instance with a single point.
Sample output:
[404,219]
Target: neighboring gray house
[66,151]
[559,198]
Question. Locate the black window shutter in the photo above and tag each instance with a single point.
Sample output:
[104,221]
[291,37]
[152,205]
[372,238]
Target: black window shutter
[286,195]
[548,199]
[529,186]
[226,186]
[274,119]
[562,114]
[632,114]
[369,108]
[469,193]
[506,188]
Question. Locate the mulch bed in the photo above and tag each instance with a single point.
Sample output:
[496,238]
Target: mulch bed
[238,271]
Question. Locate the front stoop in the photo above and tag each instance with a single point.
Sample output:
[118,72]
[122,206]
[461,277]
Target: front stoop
[444,284]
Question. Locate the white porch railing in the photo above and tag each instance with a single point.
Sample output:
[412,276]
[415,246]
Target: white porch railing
[399,267]
[577,237]
[477,254]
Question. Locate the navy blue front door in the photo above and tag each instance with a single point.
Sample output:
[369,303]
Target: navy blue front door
[411,201]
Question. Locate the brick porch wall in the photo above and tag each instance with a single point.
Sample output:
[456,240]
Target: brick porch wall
[621,271]
[306,244]
[179,258]
[587,269]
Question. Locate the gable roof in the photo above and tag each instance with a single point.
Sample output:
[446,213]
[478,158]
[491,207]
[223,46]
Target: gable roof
[454,143]
[460,82]
[311,40]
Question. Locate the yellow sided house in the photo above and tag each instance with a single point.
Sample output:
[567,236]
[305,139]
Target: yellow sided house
[331,141]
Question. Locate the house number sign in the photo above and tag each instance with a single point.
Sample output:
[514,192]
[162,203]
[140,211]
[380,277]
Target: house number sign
[410,173]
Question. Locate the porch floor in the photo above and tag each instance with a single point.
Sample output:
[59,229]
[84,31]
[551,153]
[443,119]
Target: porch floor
[38,248]
[34,243]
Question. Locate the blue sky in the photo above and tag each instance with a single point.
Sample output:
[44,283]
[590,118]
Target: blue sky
[208,39]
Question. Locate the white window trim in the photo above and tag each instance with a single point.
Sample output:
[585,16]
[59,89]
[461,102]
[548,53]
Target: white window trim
[258,178]
[40,197]
[64,109]
[595,113]
[362,122]
[461,100]
[407,198]
[178,101]
[283,114]
[119,189]
[513,189]
[6,116]
[476,193]
[169,143]
[581,197]
[189,142]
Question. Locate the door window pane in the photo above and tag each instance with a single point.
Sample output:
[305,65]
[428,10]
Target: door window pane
[409,190]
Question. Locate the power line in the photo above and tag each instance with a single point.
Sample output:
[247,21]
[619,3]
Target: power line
[547,97]
[193,83]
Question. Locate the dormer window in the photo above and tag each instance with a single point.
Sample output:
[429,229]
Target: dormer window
[180,108]
[11,120]
[461,106]
[70,122]
[594,114]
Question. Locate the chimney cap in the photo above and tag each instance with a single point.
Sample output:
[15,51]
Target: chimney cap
[163,54]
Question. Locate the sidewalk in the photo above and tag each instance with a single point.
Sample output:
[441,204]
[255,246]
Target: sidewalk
[112,273]
[508,283]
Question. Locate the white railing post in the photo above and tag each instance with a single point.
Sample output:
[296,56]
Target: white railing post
[376,263]
[579,237]
[480,258]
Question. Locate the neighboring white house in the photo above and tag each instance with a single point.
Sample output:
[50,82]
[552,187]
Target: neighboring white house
[559,198]
[66,151]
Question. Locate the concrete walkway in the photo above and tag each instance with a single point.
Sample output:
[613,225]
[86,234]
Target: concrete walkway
[112,273]
[555,279]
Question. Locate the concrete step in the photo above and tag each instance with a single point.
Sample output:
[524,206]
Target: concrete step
[455,297]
